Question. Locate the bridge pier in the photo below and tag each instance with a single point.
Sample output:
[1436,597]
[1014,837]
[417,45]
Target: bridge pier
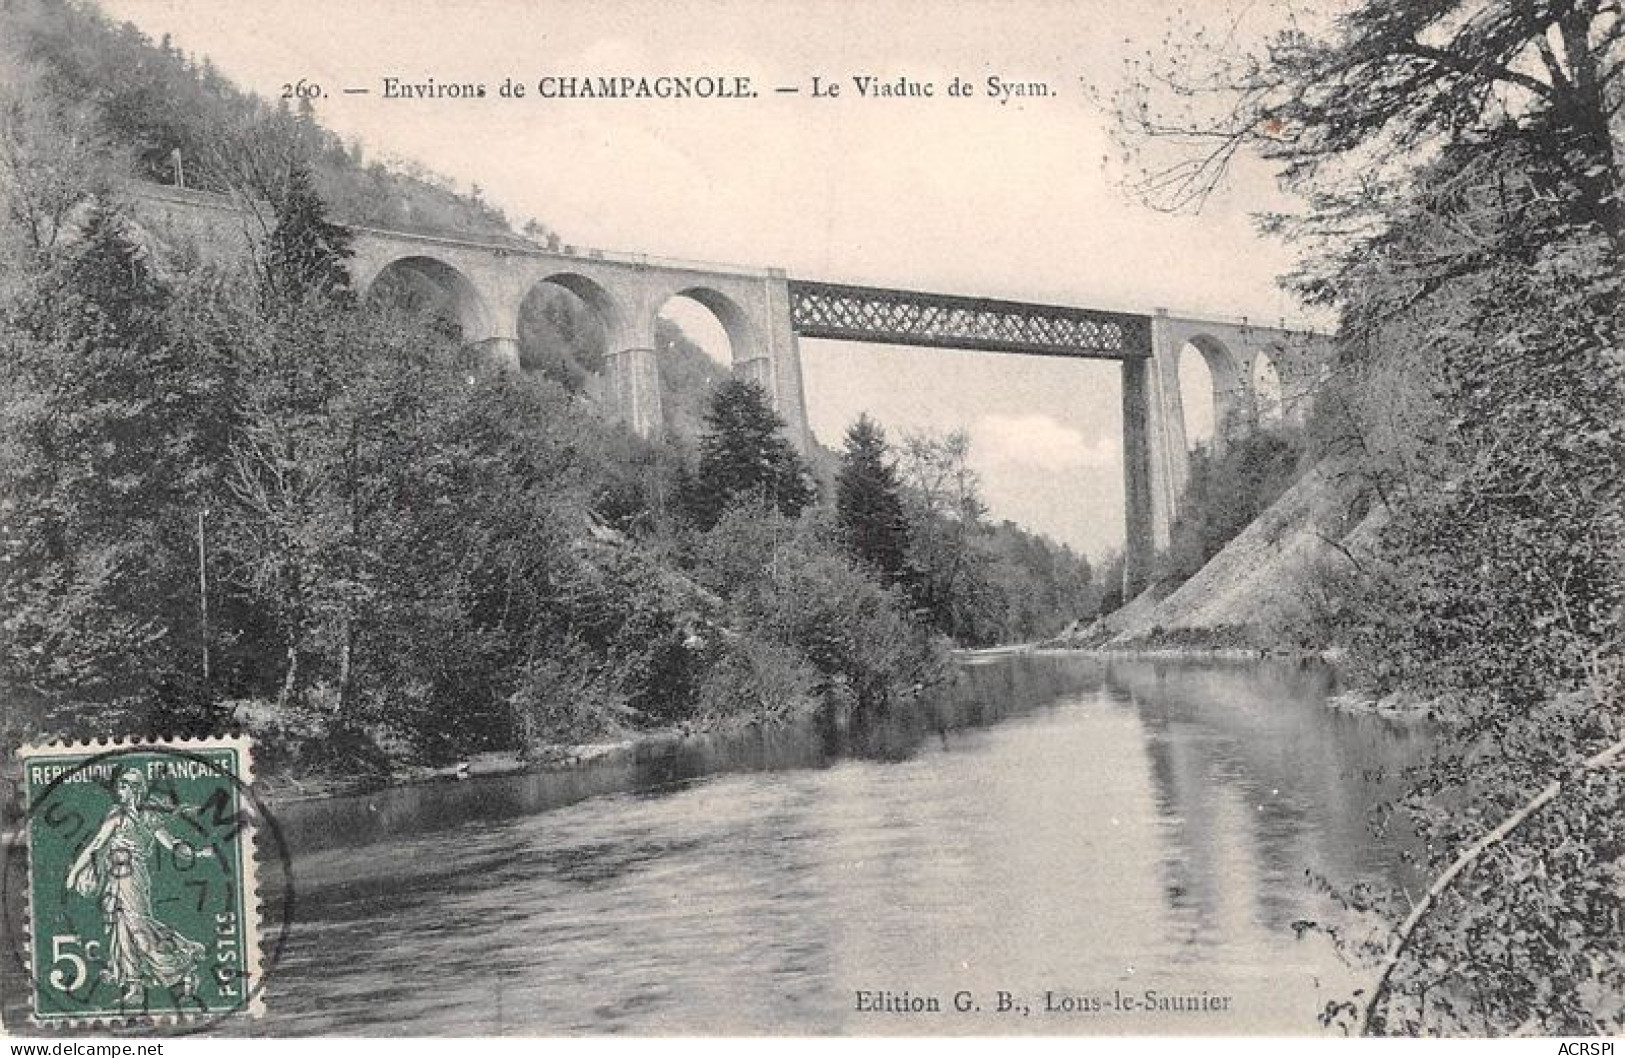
[1139,543]
[632,381]
[759,369]
[782,350]
[1170,455]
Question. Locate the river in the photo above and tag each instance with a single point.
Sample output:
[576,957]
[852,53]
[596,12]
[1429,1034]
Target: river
[1064,830]
[1057,843]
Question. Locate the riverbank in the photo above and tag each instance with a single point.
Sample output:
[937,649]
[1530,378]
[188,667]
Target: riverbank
[639,748]
[1193,653]
[651,748]
[280,786]
[1226,641]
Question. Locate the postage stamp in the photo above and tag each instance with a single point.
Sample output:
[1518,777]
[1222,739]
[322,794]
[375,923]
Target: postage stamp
[141,882]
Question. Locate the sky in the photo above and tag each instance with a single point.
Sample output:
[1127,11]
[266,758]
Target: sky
[1019,199]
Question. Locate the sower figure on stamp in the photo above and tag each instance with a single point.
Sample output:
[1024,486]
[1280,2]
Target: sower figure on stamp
[114,869]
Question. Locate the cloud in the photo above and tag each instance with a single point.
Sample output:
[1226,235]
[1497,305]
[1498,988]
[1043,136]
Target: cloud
[1037,441]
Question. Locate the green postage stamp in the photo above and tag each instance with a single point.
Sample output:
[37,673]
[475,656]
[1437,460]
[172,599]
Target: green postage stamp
[141,881]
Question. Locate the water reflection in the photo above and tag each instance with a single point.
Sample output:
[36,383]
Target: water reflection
[984,693]
[1262,787]
[1054,824]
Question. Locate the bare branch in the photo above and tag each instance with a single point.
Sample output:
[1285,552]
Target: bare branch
[1402,938]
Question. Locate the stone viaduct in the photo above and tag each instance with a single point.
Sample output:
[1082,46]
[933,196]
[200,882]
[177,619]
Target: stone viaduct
[765,313]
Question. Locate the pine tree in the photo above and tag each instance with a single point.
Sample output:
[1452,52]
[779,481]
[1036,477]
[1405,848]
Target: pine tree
[869,503]
[306,253]
[744,454]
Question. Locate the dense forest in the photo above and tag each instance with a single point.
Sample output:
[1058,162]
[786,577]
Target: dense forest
[1460,170]
[242,493]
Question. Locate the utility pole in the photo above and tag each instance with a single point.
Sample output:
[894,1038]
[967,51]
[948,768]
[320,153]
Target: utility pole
[203,590]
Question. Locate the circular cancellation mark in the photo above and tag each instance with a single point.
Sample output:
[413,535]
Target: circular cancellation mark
[149,865]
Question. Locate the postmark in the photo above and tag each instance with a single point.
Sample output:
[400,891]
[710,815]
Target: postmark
[142,890]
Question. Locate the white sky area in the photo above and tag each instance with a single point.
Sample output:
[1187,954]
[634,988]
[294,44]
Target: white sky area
[962,196]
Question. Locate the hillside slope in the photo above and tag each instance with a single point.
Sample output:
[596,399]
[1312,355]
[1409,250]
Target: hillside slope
[173,118]
[1248,594]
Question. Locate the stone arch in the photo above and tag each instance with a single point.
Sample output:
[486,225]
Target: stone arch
[1228,382]
[743,343]
[597,297]
[460,300]
[585,344]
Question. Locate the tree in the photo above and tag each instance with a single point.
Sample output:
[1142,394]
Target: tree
[851,631]
[1379,89]
[101,471]
[1497,583]
[53,160]
[869,503]
[948,569]
[292,469]
[1044,585]
[790,587]
[744,454]
[306,254]
[1224,493]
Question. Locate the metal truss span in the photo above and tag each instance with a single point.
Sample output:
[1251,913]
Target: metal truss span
[948,321]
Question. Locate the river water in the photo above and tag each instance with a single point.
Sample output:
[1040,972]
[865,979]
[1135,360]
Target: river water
[1067,837]
[1054,828]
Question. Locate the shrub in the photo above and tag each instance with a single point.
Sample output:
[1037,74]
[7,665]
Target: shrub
[851,630]
[562,700]
[1225,492]
[752,678]
[643,624]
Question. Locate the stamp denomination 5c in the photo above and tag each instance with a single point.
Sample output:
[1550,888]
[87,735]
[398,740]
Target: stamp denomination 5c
[141,881]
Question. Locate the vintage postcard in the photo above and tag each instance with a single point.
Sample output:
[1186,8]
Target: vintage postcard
[812,518]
